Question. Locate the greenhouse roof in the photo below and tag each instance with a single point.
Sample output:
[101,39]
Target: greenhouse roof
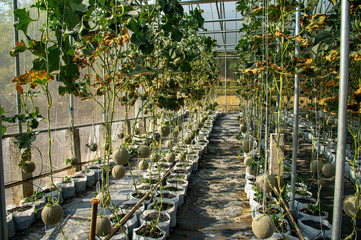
[222,22]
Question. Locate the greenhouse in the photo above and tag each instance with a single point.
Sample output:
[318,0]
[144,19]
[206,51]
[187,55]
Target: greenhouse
[168,119]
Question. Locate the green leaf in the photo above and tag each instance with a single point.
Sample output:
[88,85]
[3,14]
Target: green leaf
[3,131]
[24,19]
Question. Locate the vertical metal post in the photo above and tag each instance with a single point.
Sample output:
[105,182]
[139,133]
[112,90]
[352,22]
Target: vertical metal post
[295,119]
[71,101]
[225,80]
[342,120]
[104,97]
[3,222]
[17,62]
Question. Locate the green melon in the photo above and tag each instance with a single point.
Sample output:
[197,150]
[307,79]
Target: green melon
[154,157]
[103,226]
[104,199]
[74,161]
[143,151]
[316,166]
[328,170]
[351,207]
[188,139]
[120,156]
[170,157]
[181,156]
[242,128]
[247,145]
[28,167]
[270,183]
[164,130]
[263,226]
[118,171]
[52,214]
[93,147]
[143,165]
[169,144]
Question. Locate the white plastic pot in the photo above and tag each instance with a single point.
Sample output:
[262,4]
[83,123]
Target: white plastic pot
[172,211]
[162,225]
[139,237]
[80,182]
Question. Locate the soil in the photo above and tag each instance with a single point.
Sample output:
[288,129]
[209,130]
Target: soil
[166,195]
[140,195]
[152,181]
[179,171]
[173,189]
[148,231]
[176,182]
[78,177]
[20,209]
[165,206]
[310,212]
[154,216]
[179,176]
[315,224]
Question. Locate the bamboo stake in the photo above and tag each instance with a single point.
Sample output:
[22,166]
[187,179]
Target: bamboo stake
[93,222]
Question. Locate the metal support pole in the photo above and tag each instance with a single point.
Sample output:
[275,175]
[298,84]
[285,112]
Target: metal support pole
[3,222]
[225,81]
[104,98]
[71,101]
[17,62]
[295,119]
[342,120]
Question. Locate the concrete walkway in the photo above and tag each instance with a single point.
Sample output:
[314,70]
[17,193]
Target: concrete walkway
[216,206]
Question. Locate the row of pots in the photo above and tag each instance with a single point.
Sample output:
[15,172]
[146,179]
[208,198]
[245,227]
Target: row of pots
[170,196]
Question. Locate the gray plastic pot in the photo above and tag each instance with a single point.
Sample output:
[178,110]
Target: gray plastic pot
[311,232]
[90,177]
[80,182]
[23,215]
[67,189]
[38,206]
[130,224]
